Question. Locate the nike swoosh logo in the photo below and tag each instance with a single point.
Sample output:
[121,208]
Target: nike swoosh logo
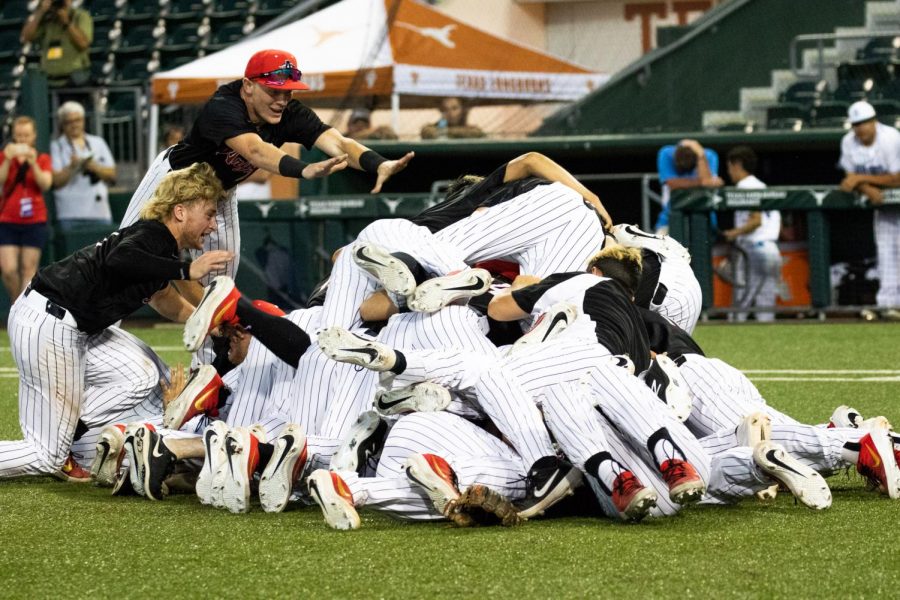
[874,456]
[770,455]
[542,491]
[208,439]
[200,403]
[156,452]
[473,286]
[385,405]
[362,256]
[105,446]
[289,441]
[559,317]
[229,449]
[207,294]
[372,353]
[636,232]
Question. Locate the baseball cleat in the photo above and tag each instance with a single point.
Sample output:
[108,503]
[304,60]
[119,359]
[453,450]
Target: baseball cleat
[418,397]
[546,326]
[108,457]
[344,346]
[623,361]
[664,380]
[844,416]
[199,396]
[154,461]
[334,498]
[288,460]
[805,484]
[72,472]
[873,423]
[439,292]
[685,484]
[549,480]
[877,462]
[242,451]
[631,498]
[214,446]
[633,237]
[218,305]
[134,476]
[393,274]
[435,476]
[753,429]
[122,485]
[364,441]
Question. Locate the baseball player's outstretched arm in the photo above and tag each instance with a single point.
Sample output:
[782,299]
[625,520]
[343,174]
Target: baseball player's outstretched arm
[331,142]
[535,164]
[264,155]
[171,305]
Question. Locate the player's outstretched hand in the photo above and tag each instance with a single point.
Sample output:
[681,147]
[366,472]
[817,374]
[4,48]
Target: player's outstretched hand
[208,262]
[325,168]
[389,168]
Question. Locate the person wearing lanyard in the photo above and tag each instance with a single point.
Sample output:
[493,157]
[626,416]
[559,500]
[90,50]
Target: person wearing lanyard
[24,176]
[83,165]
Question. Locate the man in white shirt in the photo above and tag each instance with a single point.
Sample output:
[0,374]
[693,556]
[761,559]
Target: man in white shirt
[82,167]
[756,233]
[870,155]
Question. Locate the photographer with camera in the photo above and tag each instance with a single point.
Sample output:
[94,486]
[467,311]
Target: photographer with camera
[82,166]
[64,34]
[24,177]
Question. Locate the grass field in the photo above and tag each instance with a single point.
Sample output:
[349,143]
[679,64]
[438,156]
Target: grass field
[63,540]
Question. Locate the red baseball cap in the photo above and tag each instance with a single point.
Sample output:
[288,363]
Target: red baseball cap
[276,69]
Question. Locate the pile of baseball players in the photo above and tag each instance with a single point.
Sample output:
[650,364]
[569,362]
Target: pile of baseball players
[478,362]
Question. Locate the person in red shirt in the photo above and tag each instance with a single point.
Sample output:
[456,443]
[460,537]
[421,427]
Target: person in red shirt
[24,175]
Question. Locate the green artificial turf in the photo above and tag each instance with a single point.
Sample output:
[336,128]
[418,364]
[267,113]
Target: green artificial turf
[63,540]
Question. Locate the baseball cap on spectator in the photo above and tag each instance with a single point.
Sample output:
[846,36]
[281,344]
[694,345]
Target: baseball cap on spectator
[860,112]
[360,114]
[276,69]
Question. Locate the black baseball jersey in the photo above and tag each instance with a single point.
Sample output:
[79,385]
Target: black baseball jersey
[490,191]
[102,283]
[223,117]
[617,323]
[649,283]
[668,337]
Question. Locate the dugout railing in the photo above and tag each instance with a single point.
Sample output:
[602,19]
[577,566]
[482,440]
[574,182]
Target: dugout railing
[690,223]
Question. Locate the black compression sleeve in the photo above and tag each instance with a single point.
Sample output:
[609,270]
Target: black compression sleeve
[370,160]
[285,340]
[291,167]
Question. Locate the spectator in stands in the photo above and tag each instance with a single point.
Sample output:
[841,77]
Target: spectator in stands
[65,36]
[756,234]
[172,135]
[82,167]
[682,166]
[870,157]
[25,175]
[359,127]
[453,122]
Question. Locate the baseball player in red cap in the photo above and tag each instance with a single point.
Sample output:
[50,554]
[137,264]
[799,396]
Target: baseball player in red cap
[241,129]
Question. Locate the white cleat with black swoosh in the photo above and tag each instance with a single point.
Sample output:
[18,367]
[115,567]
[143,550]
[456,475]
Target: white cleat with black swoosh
[633,237]
[393,274]
[439,292]
[285,466]
[549,480]
[805,484]
[343,346]
[215,457]
[110,451]
[418,397]
[547,326]
[363,442]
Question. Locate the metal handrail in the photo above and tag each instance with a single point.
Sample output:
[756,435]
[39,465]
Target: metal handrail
[820,39]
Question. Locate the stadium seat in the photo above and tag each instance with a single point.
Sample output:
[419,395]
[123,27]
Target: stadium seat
[184,10]
[183,37]
[170,62]
[828,114]
[226,35]
[104,11]
[888,111]
[9,44]
[786,116]
[851,91]
[878,72]
[137,40]
[222,9]
[805,92]
[133,72]
[273,8]
[883,49]
[13,12]
[141,12]
[100,44]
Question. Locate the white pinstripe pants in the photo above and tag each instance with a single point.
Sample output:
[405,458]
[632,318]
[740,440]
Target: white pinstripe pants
[887,243]
[475,456]
[684,298]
